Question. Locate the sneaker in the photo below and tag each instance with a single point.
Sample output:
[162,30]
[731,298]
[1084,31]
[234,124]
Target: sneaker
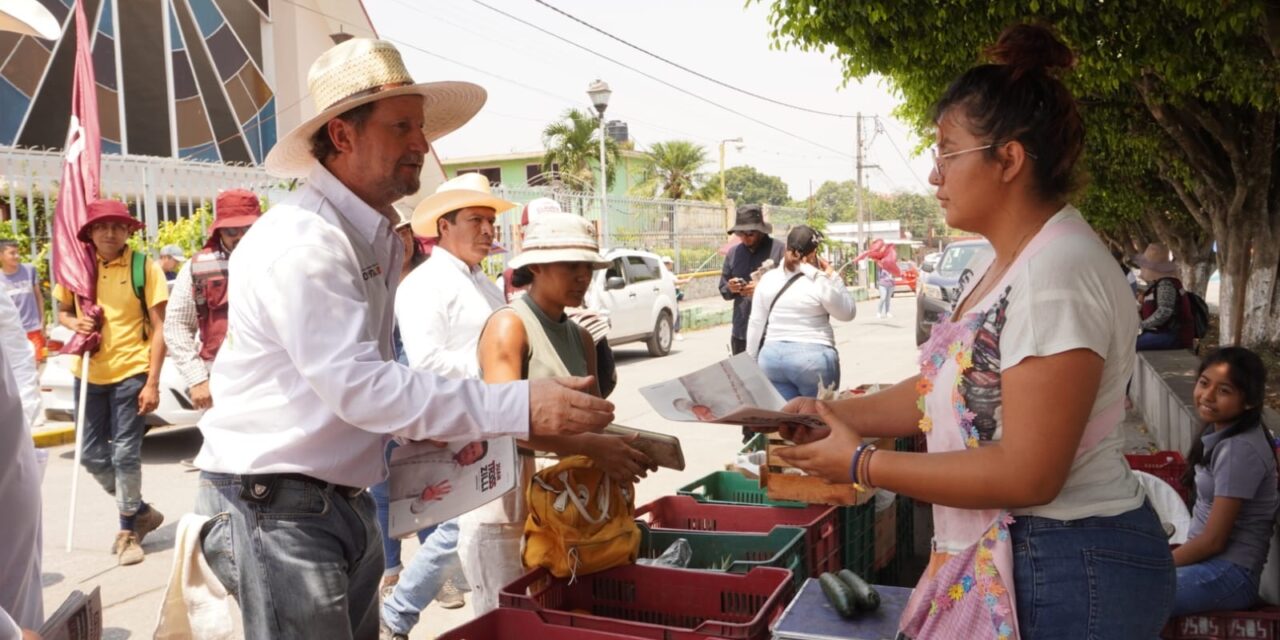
[146,522]
[679,337]
[127,549]
[385,633]
[450,597]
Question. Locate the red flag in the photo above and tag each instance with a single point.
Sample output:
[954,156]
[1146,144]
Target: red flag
[74,262]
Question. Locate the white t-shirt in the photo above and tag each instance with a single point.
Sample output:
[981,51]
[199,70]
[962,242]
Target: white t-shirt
[1070,295]
[803,313]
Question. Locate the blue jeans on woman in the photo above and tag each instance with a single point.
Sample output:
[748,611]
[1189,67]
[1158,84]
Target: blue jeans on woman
[1158,341]
[1104,578]
[1214,585]
[886,296]
[797,368]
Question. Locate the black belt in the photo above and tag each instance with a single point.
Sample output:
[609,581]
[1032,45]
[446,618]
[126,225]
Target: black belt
[260,487]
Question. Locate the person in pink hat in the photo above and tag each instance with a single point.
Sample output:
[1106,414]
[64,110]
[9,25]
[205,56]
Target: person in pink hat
[124,373]
[196,319]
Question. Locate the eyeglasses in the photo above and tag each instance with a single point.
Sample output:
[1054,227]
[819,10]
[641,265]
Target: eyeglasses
[938,164]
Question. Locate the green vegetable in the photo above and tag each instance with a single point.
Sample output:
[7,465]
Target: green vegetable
[838,594]
[865,598]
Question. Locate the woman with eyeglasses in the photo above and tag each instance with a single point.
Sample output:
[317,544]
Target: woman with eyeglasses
[1041,530]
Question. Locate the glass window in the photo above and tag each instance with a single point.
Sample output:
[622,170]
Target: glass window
[640,269]
[958,258]
[615,270]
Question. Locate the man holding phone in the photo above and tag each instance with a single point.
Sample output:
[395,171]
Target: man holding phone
[743,261]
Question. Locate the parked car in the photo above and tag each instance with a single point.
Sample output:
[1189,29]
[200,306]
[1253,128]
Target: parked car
[942,286]
[908,277]
[639,302]
[930,261]
[57,385]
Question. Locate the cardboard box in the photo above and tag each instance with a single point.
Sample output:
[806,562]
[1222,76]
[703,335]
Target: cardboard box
[782,484]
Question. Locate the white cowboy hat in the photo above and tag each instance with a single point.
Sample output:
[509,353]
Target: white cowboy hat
[559,237]
[360,71]
[466,190]
[30,18]
[1156,259]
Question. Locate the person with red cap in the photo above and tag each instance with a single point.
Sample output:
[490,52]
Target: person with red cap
[199,302]
[124,373]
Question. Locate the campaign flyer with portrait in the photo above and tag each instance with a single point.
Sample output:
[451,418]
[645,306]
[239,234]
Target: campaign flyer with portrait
[733,391]
[433,482]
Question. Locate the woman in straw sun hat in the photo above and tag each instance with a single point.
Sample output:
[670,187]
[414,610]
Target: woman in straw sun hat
[309,391]
[529,339]
[1165,309]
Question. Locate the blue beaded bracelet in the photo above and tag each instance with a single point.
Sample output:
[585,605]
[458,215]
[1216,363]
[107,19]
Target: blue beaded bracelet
[853,464]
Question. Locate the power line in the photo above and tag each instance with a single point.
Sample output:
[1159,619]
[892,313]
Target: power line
[664,82]
[905,162]
[687,69]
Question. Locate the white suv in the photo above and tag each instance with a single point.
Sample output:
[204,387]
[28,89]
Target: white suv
[638,300]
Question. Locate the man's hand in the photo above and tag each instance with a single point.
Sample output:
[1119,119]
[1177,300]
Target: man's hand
[148,398]
[83,326]
[200,395]
[748,289]
[28,634]
[435,491]
[735,285]
[560,407]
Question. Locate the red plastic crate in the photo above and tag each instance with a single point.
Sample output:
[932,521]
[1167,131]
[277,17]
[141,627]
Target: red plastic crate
[659,603]
[504,624]
[1258,624]
[820,522]
[1166,465]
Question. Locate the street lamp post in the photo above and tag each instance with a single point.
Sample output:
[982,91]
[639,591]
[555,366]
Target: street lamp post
[724,195]
[599,93]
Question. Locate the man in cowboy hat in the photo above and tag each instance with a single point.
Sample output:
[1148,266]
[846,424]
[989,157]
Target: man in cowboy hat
[307,392]
[195,321]
[744,260]
[124,373]
[441,308]
[1165,309]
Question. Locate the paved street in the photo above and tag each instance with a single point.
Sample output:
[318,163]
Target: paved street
[871,350]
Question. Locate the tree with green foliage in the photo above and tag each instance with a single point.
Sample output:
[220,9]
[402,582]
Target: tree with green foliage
[673,170]
[1191,86]
[572,146]
[747,185]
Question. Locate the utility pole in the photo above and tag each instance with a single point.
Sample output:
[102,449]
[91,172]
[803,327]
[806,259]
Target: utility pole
[864,235]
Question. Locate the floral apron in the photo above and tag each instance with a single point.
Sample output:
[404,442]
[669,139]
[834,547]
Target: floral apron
[967,590]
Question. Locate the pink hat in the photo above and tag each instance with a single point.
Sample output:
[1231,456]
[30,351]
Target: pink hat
[107,211]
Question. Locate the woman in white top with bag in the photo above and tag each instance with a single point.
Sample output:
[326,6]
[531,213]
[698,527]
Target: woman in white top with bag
[790,332]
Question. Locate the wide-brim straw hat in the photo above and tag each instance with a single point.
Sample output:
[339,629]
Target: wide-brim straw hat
[466,190]
[30,18]
[360,71]
[559,237]
[1156,259]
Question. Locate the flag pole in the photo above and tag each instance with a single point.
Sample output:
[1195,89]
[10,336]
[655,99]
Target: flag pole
[75,471]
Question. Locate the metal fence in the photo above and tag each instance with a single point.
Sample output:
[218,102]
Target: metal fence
[691,232]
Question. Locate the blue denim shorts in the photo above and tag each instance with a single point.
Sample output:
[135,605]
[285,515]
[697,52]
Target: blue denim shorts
[1102,578]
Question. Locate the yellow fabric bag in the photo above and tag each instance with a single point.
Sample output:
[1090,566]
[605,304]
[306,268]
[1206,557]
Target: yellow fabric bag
[580,521]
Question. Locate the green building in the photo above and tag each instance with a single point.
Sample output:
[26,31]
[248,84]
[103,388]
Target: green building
[524,169]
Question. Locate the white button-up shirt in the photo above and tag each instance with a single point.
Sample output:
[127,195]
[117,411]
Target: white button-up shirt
[301,385]
[803,313]
[441,308]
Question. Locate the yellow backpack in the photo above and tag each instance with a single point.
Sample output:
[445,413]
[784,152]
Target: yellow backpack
[580,521]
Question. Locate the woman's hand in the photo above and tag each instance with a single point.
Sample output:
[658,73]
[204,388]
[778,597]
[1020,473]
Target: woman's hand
[616,457]
[799,433]
[825,457]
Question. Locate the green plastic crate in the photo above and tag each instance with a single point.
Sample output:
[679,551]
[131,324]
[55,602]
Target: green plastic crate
[783,548]
[858,530]
[731,487]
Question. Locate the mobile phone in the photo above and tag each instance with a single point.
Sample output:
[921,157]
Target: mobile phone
[662,449]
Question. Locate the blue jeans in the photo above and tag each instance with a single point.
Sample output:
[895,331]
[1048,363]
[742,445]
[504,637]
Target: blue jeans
[303,564]
[382,502]
[886,296]
[1158,341]
[112,446]
[436,561]
[1101,578]
[1214,585]
[796,368]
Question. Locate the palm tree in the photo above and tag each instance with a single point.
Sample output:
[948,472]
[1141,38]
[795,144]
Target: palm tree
[573,150]
[672,169]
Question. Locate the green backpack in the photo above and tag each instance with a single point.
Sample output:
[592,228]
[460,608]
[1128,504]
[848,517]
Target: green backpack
[138,277]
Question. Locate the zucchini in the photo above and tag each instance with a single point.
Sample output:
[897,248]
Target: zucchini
[865,598]
[838,594]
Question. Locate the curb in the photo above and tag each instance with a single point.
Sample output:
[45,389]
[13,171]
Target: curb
[54,436]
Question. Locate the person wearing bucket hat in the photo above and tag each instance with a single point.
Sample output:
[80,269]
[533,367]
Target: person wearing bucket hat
[534,338]
[1164,306]
[124,373]
[308,392]
[738,277]
[195,322]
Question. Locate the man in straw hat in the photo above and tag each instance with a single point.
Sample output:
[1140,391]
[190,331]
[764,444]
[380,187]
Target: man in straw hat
[1166,310]
[195,322]
[308,393]
[124,373]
